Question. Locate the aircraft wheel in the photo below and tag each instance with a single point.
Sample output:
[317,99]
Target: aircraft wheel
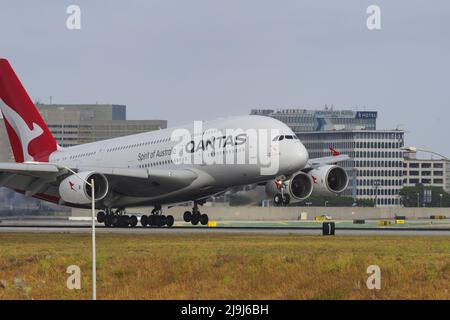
[144,220]
[157,221]
[151,220]
[286,199]
[278,199]
[101,216]
[187,216]
[195,219]
[133,221]
[170,221]
[204,219]
[163,220]
[108,221]
[125,221]
[115,221]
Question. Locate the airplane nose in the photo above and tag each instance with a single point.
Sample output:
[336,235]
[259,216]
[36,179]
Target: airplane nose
[298,158]
[294,157]
[301,157]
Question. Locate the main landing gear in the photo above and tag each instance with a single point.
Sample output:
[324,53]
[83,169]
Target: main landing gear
[157,219]
[117,218]
[195,217]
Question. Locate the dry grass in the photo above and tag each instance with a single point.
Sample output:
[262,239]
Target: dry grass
[225,266]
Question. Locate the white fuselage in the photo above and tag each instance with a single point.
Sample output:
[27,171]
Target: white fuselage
[160,150]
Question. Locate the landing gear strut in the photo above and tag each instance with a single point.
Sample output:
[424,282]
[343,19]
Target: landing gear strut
[157,219]
[195,217]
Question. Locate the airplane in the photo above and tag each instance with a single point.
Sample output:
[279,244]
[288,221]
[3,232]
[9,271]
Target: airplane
[159,168]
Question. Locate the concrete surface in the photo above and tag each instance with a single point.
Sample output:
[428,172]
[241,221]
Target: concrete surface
[222,213]
[411,227]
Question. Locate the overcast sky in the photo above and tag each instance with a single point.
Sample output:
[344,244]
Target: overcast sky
[191,60]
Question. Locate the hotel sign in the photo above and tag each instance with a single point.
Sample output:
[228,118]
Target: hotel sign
[366,114]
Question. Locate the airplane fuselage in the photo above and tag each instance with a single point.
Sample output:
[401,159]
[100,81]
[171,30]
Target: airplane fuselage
[224,152]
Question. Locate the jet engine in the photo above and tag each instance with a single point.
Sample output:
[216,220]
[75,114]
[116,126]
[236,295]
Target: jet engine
[298,188]
[74,189]
[329,180]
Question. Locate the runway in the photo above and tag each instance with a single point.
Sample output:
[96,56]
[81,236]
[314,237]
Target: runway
[293,227]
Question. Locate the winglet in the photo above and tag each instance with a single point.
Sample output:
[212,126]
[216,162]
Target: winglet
[334,152]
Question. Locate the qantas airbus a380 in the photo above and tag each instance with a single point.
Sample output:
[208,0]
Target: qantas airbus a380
[170,166]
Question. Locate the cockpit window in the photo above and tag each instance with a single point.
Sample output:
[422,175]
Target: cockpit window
[289,137]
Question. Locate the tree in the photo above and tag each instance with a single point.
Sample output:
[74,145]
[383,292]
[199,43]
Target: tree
[365,203]
[322,201]
[417,196]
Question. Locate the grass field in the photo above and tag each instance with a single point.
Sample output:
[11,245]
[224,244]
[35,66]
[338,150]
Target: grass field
[224,266]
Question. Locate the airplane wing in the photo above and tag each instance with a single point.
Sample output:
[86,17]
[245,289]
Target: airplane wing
[27,178]
[318,162]
[43,179]
[335,157]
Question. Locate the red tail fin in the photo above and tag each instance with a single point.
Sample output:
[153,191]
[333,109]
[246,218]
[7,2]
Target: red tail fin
[334,152]
[29,136]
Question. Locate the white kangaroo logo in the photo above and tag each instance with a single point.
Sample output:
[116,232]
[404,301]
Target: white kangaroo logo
[21,128]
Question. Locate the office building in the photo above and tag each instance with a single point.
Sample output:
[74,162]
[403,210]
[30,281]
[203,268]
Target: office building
[304,120]
[429,172]
[77,124]
[376,167]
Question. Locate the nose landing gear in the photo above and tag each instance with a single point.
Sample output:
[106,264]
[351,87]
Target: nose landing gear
[281,198]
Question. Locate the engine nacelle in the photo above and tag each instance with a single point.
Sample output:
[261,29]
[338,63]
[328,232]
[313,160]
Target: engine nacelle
[299,187]
[329,180]
[74,190]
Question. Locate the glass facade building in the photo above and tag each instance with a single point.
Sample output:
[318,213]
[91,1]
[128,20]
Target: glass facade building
[375,170]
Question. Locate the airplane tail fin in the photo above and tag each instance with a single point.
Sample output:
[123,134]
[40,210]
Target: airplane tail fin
[29,136]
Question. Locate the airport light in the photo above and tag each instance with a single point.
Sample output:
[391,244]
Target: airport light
[94,258]
[418,199]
